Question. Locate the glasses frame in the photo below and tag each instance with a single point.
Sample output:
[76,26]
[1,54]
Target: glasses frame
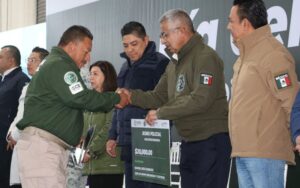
[32,60]
[164,35]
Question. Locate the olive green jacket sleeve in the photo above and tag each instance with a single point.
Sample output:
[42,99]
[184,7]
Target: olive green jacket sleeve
[198,98]
[57,96]
[72,91]
[97,144]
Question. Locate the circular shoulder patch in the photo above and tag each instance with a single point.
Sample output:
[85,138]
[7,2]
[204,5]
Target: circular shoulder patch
[70,77]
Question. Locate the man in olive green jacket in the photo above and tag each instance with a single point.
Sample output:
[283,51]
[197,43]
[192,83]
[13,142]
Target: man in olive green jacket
[191,92]
[53,118]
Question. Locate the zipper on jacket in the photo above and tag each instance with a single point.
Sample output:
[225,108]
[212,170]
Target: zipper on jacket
[233,91]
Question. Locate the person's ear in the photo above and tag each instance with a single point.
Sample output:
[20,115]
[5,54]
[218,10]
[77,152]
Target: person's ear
[246,25]
[146,39]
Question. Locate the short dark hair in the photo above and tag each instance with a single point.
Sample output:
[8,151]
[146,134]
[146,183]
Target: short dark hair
[41,51]
[14,52]
[74,33]
[133,27]
[110,75]
[253,10]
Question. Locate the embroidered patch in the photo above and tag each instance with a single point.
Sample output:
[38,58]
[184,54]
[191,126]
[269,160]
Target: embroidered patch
[206,79]
[283,81]
[76,88]
[180,83]
[70,77]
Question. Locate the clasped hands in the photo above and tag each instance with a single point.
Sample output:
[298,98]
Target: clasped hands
[125,97]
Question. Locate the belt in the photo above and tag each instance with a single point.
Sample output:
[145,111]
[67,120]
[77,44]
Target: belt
[48,136]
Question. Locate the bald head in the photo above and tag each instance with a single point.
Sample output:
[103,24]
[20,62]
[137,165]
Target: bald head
[9,57]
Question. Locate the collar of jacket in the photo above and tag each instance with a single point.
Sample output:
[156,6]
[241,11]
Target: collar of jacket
[63,55]
[149,53]
[11,74]
[248,42]
[194,40]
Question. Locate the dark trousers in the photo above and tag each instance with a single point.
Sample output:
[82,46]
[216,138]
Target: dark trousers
[106,180]
[292,179]
[16,186]
[205,163]
[4,164]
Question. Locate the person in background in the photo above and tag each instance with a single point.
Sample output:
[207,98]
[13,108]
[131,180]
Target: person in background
[264,86]
[102,169]
[192,94]
[292,178]
[33,62]
[12,80]
[36,60]
[295,123]
[53,118]
[142,70]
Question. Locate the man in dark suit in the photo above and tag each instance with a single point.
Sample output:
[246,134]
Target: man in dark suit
[11,84]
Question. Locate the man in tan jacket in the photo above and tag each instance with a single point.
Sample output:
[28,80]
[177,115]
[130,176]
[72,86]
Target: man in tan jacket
[264,86]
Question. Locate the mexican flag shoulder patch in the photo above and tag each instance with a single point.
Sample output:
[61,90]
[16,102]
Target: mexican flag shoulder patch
[206,79]
[283,81]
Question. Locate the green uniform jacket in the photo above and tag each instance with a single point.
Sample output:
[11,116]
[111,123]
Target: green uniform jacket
[57,96]
[100,162]
[191,92]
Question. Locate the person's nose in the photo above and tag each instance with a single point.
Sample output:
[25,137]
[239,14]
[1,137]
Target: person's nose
[88,57]
[163,40]
[228,26]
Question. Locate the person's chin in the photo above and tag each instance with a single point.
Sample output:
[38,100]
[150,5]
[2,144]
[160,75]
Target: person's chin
[172,50]
[133,58]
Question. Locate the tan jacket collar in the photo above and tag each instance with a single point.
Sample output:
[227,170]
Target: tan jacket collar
[247,42]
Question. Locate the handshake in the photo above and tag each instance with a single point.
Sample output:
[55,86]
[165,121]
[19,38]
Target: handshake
[125,97]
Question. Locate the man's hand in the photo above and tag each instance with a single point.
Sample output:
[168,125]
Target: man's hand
[124,98]
[298,143]
[86,157]
[11,143]
[151,117]
[111,148]
[127,92]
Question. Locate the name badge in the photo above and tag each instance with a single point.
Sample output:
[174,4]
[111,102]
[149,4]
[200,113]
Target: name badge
[76,88]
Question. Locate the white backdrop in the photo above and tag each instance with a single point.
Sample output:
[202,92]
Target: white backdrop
[25,39]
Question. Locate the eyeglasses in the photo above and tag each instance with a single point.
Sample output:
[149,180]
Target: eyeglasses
[32,60]
[164,35]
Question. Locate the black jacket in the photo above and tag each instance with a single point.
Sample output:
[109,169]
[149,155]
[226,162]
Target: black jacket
[10,91]
[143,74]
